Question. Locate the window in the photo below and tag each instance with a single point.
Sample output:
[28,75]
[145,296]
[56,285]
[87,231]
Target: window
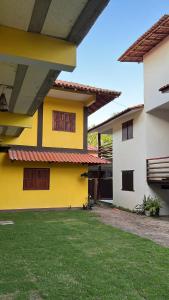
[63,121]
[127,130]
[36,179]
[127,180]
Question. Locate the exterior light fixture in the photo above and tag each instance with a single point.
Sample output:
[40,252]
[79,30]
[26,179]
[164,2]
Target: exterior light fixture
[3,103]
[85,175]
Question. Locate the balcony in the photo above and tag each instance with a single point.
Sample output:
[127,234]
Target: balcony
[158,171]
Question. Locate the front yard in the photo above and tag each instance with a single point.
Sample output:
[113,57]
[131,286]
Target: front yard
[72,255]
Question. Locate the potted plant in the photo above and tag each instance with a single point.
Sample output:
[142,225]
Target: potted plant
[151,206]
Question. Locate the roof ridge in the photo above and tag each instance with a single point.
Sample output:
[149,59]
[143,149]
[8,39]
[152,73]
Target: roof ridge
[128,109]
[82,85]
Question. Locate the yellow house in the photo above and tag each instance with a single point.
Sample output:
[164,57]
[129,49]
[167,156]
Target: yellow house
[44,166]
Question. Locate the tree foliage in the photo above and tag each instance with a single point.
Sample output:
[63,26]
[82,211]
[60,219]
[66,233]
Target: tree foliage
[93,139]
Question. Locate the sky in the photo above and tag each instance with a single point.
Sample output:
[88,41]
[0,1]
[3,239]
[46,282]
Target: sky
[119,25]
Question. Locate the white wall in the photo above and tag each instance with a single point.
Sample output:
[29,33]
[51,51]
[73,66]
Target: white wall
[157,145]
[157,133]
[156,75]
[129,155]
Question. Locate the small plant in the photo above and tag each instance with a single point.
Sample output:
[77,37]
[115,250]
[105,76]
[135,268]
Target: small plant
[89,204]
[150,206]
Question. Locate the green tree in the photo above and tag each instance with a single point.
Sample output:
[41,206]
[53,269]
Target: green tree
[93,139]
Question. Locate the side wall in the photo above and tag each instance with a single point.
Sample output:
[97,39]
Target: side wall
[129,155]
[67,188]
[157,145]
[156,75]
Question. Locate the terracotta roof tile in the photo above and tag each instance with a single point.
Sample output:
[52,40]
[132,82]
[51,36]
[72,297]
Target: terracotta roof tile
[151,38]
[58,157]
[103,96]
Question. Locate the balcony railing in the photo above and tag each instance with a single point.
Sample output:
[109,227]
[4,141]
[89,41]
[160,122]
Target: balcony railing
[158,170]
[106,151]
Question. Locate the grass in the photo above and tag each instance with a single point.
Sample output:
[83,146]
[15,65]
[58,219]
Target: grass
[72,255]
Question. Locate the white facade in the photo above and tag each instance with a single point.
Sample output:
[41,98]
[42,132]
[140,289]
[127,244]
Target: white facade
[156,75]
[149,141]
[129,155]
[151,135]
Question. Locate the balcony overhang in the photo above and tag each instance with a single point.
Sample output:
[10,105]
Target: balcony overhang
[38,41]
[15,120]
[12,125]
[20,47]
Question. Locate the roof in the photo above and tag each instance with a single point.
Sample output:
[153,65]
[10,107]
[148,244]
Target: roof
[164,89]
[56,157]
[127,110]
[103,96]
[92,148]
[151,38]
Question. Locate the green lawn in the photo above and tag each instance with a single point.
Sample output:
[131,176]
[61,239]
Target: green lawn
[72,255]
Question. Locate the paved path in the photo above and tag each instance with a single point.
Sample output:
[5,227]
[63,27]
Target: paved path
[156,229]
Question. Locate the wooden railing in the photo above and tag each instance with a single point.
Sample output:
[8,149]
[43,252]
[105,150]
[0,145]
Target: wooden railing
[106,151]
[158,170]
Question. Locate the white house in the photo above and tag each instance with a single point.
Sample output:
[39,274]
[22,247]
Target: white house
[141,161]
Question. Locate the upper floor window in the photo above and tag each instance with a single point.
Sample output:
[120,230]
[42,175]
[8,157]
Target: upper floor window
[64,121]
[36,179]
[127,130]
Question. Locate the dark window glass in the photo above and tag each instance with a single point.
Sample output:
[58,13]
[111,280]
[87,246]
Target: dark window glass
[127,130]
[127,180]
[36,179]
[63,121]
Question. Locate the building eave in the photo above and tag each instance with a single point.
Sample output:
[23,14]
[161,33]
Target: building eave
[150,39]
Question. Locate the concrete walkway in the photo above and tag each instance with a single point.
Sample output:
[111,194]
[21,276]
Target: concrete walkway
[156,229]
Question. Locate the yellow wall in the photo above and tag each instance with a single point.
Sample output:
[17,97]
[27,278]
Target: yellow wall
[28,136]
[51,138]
[67,188]
[62,139]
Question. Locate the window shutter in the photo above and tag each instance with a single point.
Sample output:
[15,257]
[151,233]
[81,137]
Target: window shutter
[63,121]
[36,179]
[127,180]
[124,131]
[127,130]
[67,122]
[130,129]
[72,122]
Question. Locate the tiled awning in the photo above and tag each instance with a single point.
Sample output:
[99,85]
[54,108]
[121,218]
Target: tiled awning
[58,157]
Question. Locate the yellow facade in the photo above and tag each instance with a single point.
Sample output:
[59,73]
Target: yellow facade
[62,139]
[51,138]
[67,187]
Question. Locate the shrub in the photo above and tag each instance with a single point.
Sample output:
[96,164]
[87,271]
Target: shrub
[149,204]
